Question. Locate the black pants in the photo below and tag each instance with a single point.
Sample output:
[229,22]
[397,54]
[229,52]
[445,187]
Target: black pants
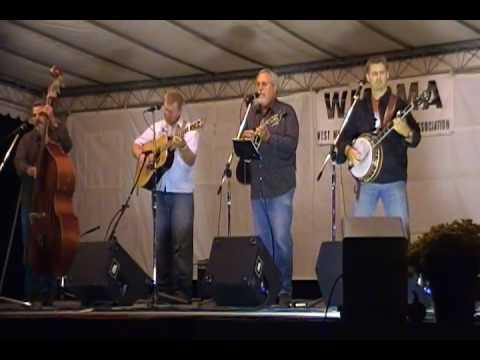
[36,287]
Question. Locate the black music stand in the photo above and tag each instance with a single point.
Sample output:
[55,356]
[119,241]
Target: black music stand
[246,149]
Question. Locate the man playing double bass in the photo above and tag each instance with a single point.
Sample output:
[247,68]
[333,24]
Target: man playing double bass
[36,287]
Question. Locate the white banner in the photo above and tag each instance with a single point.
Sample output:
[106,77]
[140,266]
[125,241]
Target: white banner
[433,119]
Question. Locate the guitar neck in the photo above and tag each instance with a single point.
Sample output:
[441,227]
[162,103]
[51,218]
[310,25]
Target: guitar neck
[272,120]
[189,127]
[183,131]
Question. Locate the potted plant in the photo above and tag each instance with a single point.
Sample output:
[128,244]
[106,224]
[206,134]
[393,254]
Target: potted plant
[448,258]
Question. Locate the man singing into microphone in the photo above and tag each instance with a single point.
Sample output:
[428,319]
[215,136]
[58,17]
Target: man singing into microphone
[172,198]
[273,177]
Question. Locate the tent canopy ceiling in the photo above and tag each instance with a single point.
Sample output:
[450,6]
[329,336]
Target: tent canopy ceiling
[104,55]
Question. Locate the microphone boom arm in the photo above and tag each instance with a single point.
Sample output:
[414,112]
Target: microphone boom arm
[345,121]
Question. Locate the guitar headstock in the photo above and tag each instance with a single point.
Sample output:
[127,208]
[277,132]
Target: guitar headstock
[197,124]
[424,98]
[421,100]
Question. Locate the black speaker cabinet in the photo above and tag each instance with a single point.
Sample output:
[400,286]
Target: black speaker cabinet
[241,272]
[103,272]
[329,271]
[374,270]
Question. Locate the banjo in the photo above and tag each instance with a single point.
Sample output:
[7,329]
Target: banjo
[369,144]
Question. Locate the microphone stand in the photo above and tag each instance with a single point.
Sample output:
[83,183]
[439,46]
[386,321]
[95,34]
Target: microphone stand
[12,229]
[227,175]
[154,208]
[227,172]
[332,156]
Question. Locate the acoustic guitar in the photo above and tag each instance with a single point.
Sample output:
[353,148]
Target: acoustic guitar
[242,171]
[146,176]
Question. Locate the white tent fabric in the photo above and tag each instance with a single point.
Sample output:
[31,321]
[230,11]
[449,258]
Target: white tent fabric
[15,102]
[98,52]
[442,176]
[14,111]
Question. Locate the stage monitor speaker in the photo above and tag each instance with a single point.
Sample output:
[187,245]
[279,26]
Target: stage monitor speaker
[374,270]
[241,272]
[329,269]
[103,272]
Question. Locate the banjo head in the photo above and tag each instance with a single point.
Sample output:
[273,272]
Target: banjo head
[364,147]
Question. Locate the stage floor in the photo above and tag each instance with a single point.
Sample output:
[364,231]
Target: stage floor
[308,310]
[200,321]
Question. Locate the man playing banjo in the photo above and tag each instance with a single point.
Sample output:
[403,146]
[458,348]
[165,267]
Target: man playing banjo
[370,115]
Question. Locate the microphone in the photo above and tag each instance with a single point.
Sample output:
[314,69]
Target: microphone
[251,97]
[153,108]
[25,127]
[361,83]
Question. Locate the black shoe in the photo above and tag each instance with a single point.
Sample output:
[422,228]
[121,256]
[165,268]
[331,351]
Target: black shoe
[284,300]
[182,297]
[48,300]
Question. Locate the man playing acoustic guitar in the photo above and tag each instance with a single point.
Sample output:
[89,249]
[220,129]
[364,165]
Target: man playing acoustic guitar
[273,178]
[172,199]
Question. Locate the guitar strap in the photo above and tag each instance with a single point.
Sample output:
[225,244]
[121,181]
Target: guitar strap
[390,110]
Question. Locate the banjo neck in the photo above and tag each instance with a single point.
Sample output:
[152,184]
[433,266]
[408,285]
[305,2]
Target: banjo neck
[382,134]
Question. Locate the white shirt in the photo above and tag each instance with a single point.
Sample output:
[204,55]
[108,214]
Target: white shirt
[377,122]
[179,178]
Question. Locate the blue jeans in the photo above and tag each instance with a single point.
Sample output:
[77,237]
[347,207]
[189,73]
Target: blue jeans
[36,287]
[394,198]
[272,219]
[174,241]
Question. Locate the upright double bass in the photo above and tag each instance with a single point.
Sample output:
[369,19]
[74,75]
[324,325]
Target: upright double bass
[54,230]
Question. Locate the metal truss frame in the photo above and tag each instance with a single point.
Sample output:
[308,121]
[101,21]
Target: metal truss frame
[467,61]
